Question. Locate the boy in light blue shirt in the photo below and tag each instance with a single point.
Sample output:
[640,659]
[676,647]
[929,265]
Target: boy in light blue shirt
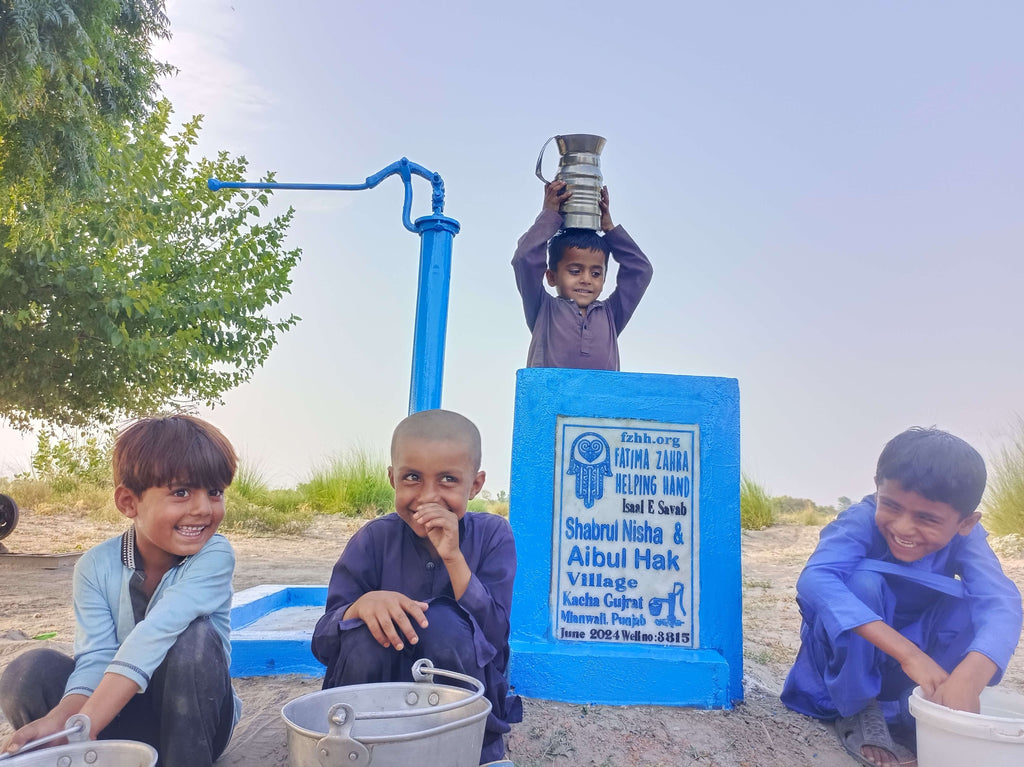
[152,609]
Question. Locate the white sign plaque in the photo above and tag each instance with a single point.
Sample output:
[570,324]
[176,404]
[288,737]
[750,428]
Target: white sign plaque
[626,537]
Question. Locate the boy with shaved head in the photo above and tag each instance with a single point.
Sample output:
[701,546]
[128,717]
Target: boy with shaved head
[428,581]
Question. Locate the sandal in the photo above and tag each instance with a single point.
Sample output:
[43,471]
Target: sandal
[868,728]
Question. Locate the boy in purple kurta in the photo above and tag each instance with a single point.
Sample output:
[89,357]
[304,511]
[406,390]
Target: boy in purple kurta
[575,329]
[903,590]
[429,581]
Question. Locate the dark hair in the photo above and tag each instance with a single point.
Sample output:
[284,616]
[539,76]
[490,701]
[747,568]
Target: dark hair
[440,426]
[584,239]
[935,464]
[165,450]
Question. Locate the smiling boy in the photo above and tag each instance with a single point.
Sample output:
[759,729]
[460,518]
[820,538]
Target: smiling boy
[152,634]
[903,590]
[575,328]
[428,581]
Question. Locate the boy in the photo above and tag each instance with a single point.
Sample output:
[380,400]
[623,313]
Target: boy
[428,581]
[881,608]
[574,329]
[152,637]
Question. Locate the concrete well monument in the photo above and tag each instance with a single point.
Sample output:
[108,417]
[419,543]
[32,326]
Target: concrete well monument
[625,508]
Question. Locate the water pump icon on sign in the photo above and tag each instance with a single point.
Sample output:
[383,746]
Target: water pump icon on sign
[656,603]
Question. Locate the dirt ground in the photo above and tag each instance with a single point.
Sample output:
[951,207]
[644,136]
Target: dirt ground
[759,732]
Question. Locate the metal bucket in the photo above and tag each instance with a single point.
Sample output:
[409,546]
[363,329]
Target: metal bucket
[391,724]
[80,751]
[92,753]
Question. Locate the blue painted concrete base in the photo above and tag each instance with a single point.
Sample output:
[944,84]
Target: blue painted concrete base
[615,675]
[271,628]
[637,409]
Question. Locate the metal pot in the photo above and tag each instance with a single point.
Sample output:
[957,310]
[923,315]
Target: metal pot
[391,724]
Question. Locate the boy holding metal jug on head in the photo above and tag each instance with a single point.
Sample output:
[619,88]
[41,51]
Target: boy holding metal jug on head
[575,328]
[903,590]
[152,609]
[428,581]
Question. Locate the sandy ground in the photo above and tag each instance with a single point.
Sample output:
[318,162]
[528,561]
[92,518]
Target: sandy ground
[759,732]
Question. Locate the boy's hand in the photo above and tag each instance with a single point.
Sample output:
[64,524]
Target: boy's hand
[386,613]
[606,217]
[925,672]
[442,528]
[49,724]
[962,690]
[555,194]
[957,694]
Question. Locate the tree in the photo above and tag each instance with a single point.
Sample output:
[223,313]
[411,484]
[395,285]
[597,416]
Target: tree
[843,503]
[70,74]
[149,291]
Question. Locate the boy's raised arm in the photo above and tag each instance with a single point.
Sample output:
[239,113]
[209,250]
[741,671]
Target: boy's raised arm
[530,260]
[488,596]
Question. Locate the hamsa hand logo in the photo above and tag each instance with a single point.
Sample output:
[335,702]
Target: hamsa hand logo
[590,461]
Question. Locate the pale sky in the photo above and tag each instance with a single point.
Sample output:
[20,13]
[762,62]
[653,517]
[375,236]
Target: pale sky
[830,194]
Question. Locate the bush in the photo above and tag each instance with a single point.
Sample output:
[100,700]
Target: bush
[252,507]
[1003,503]
[279,511]
[755,505]
[79,458]
[484,502]
[802,511]
[354,484]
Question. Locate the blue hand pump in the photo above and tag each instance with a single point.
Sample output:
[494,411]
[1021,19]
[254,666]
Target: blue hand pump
[436,233]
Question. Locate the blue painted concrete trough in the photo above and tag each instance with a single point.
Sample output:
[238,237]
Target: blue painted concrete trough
[271,627]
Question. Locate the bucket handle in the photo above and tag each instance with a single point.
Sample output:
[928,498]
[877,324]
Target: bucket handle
[540,160]
[76,729]
[422,670]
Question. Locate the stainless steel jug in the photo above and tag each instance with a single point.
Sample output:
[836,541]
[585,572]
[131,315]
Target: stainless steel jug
[580,168]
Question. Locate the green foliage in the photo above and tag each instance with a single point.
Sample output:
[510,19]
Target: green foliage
[801,511]
[71,74]
[151,292]
[27,493]
[80,457]
[62,496]
[250,482]
[354,484]
[251,506]
[1003,504]
[273,511]
[485,503]
[755,505]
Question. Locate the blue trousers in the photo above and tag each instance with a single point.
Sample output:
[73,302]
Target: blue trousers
[839,676]
[186,713]
[448,643]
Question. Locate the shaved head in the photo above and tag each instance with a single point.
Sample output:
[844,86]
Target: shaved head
[440,426]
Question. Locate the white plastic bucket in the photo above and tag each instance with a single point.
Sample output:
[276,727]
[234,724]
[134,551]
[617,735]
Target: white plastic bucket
[950,738]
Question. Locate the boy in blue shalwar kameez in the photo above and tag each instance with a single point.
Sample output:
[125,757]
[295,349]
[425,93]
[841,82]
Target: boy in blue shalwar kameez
[903,590]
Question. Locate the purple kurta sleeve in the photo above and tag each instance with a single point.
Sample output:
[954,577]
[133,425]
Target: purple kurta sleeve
[385,555]
[488,597]
[530,262]
[634,275]
[352,577]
